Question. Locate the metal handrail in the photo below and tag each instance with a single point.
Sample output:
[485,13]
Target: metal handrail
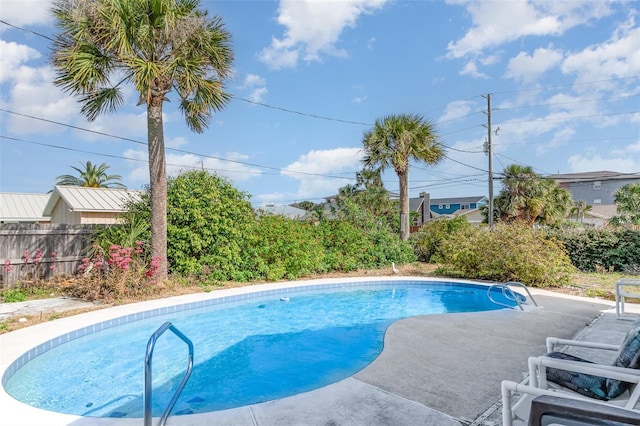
[147,373]
[509,294]
[519,284]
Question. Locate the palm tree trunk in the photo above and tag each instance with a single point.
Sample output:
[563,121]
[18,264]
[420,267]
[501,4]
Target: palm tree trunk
[403,177]
[158,181]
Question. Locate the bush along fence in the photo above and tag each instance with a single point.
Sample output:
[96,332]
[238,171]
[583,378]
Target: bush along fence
[38,251]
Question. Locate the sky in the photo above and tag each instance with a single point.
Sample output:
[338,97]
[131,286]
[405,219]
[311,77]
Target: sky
[310,77]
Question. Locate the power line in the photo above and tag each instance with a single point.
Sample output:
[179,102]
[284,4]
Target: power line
[566,85]
[25,30]
[121,157]
[301,113]
[565,103]
[176,149]
[568,118]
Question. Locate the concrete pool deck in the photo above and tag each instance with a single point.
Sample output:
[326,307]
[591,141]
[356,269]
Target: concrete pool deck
[434,369]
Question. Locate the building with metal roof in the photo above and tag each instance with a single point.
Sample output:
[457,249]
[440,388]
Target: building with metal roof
[23,208]
[75,205]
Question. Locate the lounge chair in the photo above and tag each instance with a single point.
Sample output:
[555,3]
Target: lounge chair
[563,375]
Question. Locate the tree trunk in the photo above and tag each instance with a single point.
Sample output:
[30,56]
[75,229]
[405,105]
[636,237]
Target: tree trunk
[158,181]
[403,177]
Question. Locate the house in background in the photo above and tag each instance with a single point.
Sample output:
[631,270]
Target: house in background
[597,216]
[77,205]
[291,212]
[456,206]
[23,208]
[448,208]
[595,188]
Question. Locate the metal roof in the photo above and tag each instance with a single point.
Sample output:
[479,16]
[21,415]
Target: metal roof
[16,207]
[591,176]
[83,199]
[284,210]
[459,200]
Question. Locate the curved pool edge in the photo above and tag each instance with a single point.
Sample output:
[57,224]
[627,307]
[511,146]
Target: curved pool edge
[15,344]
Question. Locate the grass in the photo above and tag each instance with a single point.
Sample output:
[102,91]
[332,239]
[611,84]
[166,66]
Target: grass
[596,285]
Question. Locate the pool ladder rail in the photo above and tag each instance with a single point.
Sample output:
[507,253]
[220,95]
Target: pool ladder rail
[147,373]
[511,295]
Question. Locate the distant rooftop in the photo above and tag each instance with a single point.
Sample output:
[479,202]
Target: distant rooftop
[83,199]
[457,200]
[591,176]
[16,207]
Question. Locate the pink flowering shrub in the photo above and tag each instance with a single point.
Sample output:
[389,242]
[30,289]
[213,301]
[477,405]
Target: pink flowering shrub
[33,266]
[122,271]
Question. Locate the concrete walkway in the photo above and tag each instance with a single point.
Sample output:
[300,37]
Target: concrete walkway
[42,306]
[434,370]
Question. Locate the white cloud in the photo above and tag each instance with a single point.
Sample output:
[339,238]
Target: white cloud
[456,109]
[313,28]
[472,69]
[252,80]
[317,165]
[33,93]
[591,161]
[256,85]
[229,165]
[560,137]
[257,95]
[617,57]
[527,68]
[25,12]
[359,99]
[498,22]
[12,58]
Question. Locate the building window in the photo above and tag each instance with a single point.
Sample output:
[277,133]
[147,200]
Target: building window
[597,201]
[597,185]
[446,206]
[440,206]
[464,207]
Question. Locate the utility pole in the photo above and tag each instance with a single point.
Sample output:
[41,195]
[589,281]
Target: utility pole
[489,150]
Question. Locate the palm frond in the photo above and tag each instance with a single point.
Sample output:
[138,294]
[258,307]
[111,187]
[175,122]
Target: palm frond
[102,100]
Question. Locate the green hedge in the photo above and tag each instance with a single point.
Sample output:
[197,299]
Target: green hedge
[594,250]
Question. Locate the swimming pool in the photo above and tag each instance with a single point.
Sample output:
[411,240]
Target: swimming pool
[322,334]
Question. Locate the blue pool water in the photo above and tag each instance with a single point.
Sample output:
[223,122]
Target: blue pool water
[246,352]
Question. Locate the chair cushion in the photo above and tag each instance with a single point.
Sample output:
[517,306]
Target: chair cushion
[585,384]
[628,357]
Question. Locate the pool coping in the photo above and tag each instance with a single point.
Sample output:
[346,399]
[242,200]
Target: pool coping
[26,343]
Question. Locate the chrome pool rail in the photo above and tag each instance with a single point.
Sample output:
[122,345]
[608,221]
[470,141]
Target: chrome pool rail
[509,294]
[147,373]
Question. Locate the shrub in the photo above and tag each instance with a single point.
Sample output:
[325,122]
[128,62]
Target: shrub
[426,242]
[278,247]
[509,252]
[207,219]
[591,250]
[132,227]
[122,271]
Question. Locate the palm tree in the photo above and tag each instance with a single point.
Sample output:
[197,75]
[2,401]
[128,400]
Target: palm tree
[579,208]
[527,196]
[91,176]
[157,46]
[394,141]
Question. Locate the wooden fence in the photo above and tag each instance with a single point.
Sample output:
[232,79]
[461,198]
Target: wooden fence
[30,251]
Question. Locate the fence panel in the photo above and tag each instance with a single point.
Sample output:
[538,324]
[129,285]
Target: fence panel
[30,251]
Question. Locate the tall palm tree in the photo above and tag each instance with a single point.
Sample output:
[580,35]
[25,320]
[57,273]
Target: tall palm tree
[395,141]
[529,197]
[158,46]
[91,176]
